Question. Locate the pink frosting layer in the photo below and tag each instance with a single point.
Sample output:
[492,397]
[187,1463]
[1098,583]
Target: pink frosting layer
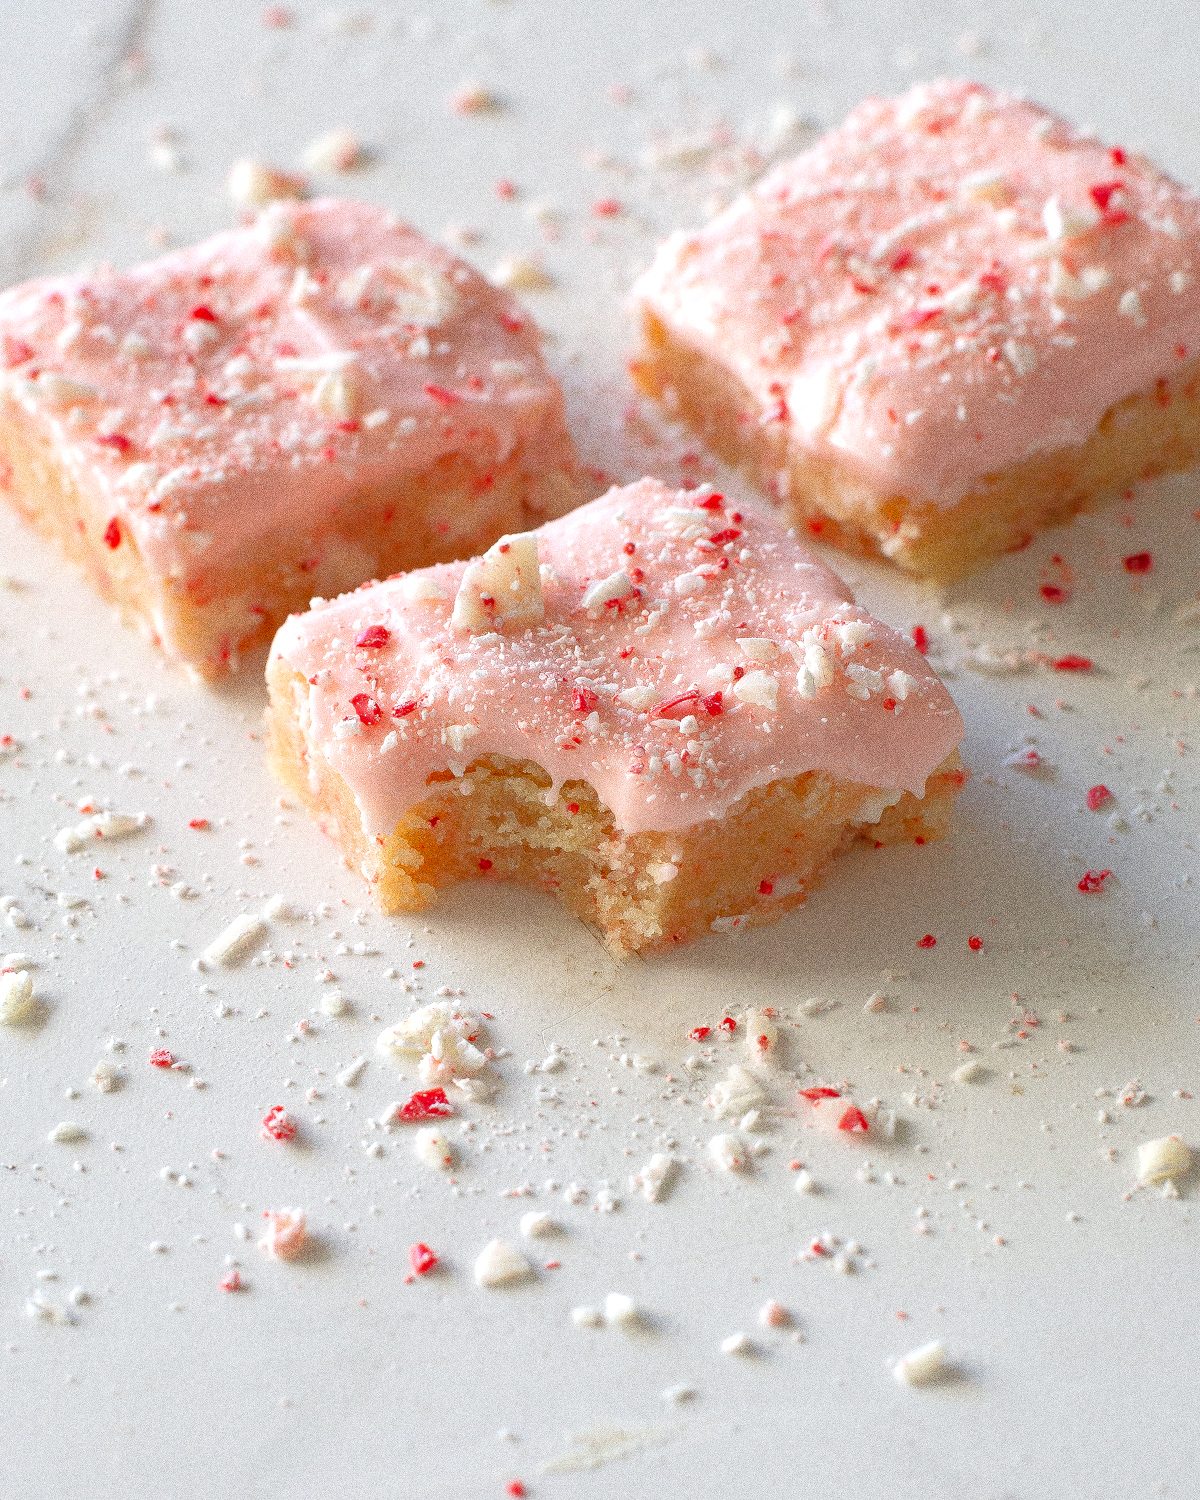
[947,284]
[202,423]
[420,695]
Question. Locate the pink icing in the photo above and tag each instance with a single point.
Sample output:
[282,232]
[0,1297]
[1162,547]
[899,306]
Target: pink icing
[894,294]
[390,713]
[196,438]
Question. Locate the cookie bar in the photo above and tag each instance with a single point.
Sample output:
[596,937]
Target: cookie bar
[288,409]
[952,322]
[661,709]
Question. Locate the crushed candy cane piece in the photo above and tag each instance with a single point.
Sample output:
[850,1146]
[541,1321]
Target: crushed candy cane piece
[277,1124]
[421,1258]
[425,1104]
[286,1233]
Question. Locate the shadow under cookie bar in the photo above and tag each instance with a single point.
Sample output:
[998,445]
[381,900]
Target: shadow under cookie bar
[639,891]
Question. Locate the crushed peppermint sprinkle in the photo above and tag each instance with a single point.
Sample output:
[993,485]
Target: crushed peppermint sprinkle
[1093,880]
[278,1125]
[421,1258]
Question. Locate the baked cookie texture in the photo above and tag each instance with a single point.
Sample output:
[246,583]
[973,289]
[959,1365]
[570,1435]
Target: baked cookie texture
[660,709]
[290,408]
[953,322]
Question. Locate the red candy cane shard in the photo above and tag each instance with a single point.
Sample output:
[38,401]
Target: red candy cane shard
[421,1258]
[427,1104]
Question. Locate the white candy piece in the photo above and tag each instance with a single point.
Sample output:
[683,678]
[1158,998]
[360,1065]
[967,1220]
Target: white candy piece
[1164,1158]
[621,1311]
[727,1153]
[762,1035]
[587,1317]
[537,1225]
[970,1072]
[237,941]
[254,184]
[499,1263]
[106,1077]
[432,1147]
[737,1343]
[655,1179]
[503,587]
[336,151]
[66,1133]
[922,1365]
[16,995]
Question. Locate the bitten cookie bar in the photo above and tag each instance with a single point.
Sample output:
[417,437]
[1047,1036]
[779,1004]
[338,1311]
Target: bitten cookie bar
[660,709]
[284,410]
[952,322]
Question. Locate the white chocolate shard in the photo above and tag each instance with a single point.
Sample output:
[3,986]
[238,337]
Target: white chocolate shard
[504,586]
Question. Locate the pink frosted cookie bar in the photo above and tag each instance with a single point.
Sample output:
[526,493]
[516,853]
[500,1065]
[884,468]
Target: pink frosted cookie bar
[952,322]
[660,709]
[282,411]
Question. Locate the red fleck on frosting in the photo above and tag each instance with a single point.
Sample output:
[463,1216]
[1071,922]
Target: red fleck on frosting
[928,941]
[975,944]
[1139,562]
[1073,664]
[1093,880]
[672,696]
[1097,796]
[161,1058]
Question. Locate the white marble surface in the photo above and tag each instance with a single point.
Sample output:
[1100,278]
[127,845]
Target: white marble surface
[1074,1343]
